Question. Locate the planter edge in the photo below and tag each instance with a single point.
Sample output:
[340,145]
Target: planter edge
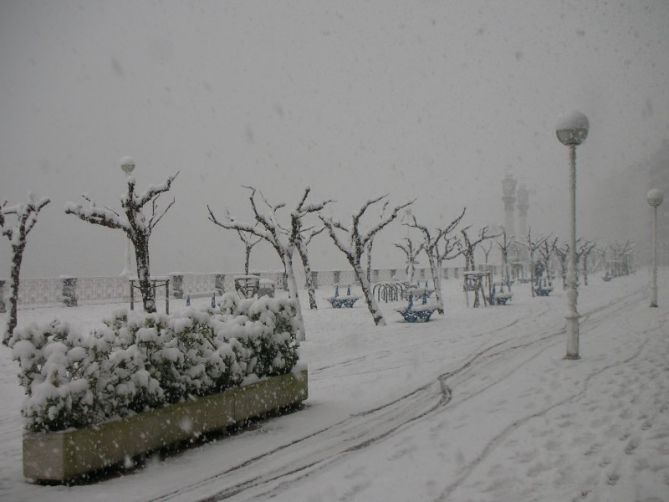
[63,455]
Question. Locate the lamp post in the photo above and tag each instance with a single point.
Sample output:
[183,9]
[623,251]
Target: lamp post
[571,130]
[127,166]
[654,198]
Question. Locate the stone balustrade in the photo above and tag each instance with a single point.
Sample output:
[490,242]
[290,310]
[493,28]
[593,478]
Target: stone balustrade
[72,291]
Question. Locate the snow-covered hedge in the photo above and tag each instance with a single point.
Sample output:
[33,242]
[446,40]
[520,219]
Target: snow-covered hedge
[140,361]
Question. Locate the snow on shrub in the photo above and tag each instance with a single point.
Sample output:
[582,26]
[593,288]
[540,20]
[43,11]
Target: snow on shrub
[139,361]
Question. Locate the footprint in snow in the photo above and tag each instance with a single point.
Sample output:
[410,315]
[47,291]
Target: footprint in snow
[612,478]
[632,444]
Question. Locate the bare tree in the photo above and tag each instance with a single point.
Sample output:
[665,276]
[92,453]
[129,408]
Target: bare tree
[503,245]
[370,244]
[134,223]
[452,248]
[411,252]
[249,243]
[622,257]
[26,217]
[486,251]
[583,252]
[430,245]
[533,245]
[469,246]
[546,255]
[302,245]
[599,259]
[562,252]
[354,246]
[284,239]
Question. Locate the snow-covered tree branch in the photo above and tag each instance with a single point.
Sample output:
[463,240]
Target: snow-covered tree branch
[430,245]
[283,238]
[353,245]
[370,244]
[135,225]
[249,244]
[411,253]
[469,246]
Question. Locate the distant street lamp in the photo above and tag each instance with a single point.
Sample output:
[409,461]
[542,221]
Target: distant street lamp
[571,130]
[128,166]
[654,198]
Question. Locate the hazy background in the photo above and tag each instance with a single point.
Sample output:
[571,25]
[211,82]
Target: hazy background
[429,99]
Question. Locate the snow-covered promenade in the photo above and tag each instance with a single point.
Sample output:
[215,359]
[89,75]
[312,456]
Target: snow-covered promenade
[478,405]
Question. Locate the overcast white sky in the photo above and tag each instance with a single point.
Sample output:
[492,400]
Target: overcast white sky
[428,99]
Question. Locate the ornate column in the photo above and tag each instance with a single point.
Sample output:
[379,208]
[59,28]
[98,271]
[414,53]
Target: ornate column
[177,285]
[523,206]
[219,283]
[69,291]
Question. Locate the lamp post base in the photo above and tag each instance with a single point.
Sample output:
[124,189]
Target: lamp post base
[572,330]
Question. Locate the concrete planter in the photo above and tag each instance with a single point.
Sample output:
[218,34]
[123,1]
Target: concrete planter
[64,455]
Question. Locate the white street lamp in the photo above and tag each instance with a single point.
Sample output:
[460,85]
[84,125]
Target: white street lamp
[654,198]
[127,166]
[571,130]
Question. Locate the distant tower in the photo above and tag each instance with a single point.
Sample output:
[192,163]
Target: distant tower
[509,198]
[523,206]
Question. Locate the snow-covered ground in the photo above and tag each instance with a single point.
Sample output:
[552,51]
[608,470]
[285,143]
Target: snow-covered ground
[477,405]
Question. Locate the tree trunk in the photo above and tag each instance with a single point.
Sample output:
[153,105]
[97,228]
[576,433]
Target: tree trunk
[369,261]
[532,272]
[287,258]
[17,258]
[247,259]
[311,290]
[549,274]
[585,270]
[436,281]
[373,307]
[144,273]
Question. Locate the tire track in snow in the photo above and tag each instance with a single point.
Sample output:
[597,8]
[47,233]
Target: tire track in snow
[495,441]
[483,355]
[360,430]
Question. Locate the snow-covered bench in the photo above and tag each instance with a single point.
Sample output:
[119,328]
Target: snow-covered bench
[543,290]
[417,313]
[346,301]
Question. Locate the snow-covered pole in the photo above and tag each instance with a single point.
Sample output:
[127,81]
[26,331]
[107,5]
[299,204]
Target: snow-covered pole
[654,198]
[571,131]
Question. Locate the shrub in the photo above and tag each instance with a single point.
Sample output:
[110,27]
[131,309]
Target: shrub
[136,362]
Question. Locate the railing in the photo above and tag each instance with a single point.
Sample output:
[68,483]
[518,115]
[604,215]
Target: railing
[73,291]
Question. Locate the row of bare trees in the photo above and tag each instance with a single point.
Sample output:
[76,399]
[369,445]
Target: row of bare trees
[287,234]
[286,237]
